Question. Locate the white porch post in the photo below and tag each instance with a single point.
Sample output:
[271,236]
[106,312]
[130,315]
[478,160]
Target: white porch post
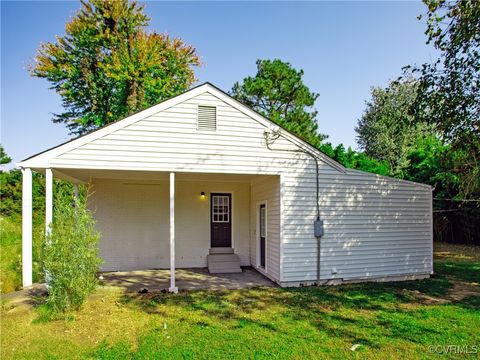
[172,288]
[27,227]
[48,199]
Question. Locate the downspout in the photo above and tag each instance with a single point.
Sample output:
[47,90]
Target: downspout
[318,223]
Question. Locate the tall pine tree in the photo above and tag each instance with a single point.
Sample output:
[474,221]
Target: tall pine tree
[277,91]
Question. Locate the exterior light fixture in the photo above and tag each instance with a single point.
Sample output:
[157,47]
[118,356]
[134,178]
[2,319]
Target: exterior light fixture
[202,195]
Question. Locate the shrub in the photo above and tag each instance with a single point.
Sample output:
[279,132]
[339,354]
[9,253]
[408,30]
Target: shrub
[70,253]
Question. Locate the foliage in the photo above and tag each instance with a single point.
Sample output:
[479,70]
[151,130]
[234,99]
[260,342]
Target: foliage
[70,253]
[107,66]
[430,163]
[11,193]
[354,159]
[449,91]
[390,320]
[387,130]
[11,252]
[278,92]
[4,158]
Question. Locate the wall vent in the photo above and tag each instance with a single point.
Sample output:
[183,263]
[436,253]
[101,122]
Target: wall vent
[207,118]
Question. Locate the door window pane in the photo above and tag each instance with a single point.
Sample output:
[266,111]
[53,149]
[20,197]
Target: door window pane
[262,221]
[221,208]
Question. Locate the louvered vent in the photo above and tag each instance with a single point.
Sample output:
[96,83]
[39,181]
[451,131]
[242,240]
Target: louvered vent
[207,118]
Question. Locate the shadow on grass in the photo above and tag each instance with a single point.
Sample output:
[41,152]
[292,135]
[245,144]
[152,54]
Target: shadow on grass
[316,305]
[366,313]
[469,302]
[467,271]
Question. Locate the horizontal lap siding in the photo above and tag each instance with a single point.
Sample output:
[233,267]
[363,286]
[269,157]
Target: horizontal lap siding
[374,226]
[133,219]
[267,189]
[170,141]
[370,221]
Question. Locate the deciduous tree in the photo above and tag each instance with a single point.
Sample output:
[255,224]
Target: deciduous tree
[449,92]
[108,66]
[387,130]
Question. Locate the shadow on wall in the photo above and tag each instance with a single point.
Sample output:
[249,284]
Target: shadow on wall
[373,226]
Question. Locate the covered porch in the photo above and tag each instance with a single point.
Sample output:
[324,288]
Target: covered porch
[170,221]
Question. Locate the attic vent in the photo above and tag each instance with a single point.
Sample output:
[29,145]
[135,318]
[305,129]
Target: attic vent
[207,118]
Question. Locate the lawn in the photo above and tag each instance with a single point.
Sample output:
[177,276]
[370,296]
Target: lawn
[386,320]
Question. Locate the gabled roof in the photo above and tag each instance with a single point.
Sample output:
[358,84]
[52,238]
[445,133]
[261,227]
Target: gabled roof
[40,160]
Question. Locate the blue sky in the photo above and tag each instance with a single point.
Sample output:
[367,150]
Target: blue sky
[343,47]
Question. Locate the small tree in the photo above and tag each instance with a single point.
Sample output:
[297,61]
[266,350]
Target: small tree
[70,253]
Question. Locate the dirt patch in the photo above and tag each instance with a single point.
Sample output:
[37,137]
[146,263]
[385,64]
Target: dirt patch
[459,291]
[462,289]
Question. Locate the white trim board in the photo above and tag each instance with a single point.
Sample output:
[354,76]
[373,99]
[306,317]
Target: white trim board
[257,236]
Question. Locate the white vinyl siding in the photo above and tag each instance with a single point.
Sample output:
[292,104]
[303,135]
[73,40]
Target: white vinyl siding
[133,218]
[374,225]
[206,118]
[266,190]
[169,141]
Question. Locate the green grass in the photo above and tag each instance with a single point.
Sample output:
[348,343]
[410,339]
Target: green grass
[11,253]
[389,320]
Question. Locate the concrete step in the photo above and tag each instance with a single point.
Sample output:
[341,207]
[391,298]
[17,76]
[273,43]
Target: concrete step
[223,263]
[221,250]
[215,258]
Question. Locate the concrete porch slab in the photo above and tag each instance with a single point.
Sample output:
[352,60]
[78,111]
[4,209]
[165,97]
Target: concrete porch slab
[186,279]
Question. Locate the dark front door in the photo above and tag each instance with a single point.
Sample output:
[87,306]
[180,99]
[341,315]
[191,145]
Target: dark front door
[221,220]
[263,234]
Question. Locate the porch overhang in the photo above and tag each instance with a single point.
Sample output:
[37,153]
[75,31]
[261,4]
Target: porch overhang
[130,177]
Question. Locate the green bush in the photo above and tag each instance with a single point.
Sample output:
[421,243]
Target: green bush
[70,253]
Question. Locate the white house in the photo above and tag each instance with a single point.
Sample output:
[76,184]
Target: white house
[202,180]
